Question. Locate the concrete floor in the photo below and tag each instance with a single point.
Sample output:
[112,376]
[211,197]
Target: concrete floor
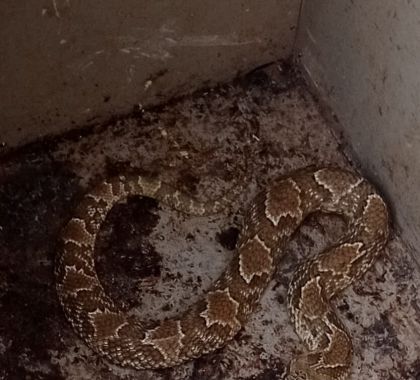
[231,139]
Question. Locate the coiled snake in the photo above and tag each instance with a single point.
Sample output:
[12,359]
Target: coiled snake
[208,324]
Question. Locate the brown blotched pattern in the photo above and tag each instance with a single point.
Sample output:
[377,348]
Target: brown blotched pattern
[207,325]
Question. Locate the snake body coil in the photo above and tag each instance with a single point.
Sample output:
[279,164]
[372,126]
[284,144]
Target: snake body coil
[207,325]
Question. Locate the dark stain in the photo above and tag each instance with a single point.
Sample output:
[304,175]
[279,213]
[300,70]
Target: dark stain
[30,324]
[344,308]
[189,237]
[386,336]
[280,298]
[414,371]
[35,198]
[211,367]
[124,254]
[275,370]
[228,238]
[188,181]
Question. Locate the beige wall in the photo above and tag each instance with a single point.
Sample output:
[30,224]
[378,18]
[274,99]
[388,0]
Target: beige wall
[364,59]
[68,63]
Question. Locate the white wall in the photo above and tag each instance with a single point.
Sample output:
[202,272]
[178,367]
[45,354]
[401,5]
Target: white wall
[363,58]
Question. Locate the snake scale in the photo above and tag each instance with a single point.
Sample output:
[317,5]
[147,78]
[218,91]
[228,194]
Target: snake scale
[272,218]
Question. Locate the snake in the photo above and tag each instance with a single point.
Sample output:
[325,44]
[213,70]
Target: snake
[271,219]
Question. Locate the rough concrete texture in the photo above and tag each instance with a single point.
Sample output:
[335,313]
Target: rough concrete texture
[368,73]
[70,63]
[232,139]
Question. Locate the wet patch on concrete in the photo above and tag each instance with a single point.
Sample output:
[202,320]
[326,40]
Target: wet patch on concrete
[230,141]
[123,244]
